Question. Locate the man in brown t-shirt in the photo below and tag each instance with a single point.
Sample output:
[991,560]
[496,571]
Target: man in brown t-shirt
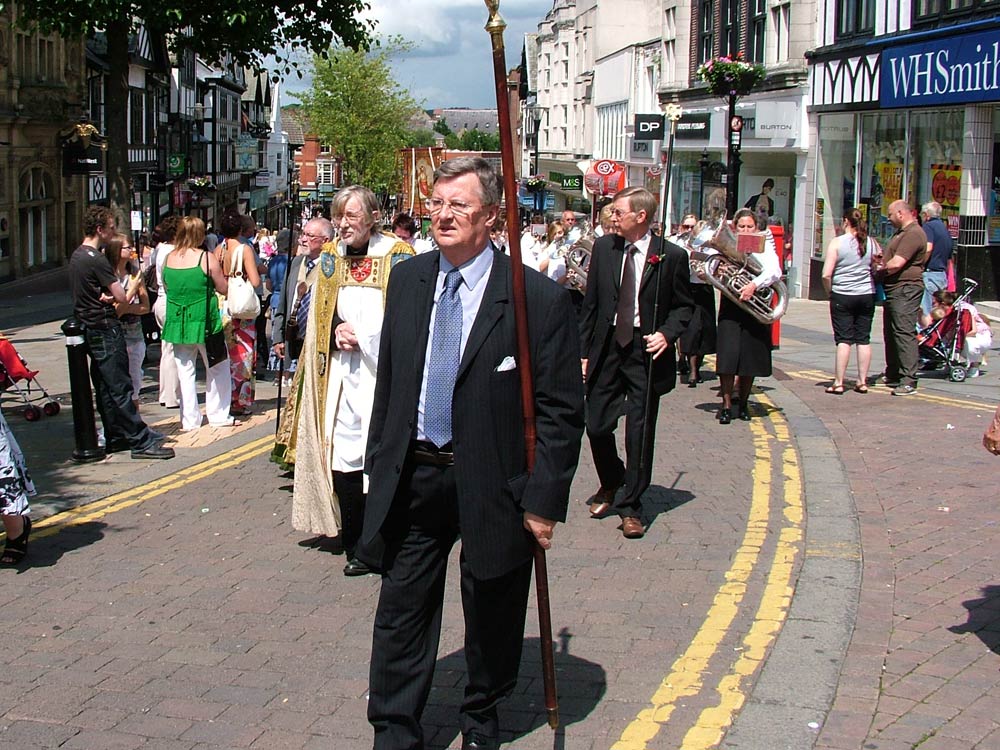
[904,286]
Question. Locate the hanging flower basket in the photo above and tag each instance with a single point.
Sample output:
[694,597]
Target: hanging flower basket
[727,76]
[535,183]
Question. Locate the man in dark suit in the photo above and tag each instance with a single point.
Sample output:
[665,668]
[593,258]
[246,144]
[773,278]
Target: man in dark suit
[618,331]
[314,234]
[446,458]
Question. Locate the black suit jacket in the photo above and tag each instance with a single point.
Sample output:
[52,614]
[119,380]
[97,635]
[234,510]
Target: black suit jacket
[494,488]
[285,298]
[597,315]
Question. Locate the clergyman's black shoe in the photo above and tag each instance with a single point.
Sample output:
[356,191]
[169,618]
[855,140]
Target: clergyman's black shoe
[355,567]
[153,451]
[476,741]
[725,416]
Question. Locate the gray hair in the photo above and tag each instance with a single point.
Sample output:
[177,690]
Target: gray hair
[932,209]
[640,199]
[489,181]
[369,203]
[322,225]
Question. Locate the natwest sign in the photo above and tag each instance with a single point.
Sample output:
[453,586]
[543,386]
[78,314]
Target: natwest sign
[951,70]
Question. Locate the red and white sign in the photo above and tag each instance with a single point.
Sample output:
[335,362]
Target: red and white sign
[604,177]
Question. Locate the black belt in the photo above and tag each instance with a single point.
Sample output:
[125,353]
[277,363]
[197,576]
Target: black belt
[425,453]
[103,325]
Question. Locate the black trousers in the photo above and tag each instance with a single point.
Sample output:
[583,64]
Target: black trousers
[619,384]
[349,486]
[113,388]
[899,331]
[421,533]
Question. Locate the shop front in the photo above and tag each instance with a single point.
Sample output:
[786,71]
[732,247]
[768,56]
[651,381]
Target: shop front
[773,156]
[917,121]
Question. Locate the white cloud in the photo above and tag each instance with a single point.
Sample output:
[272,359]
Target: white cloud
[451,64]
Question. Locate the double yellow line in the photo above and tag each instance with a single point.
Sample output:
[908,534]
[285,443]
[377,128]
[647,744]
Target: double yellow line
[921,394]
[687,674]
[137,495]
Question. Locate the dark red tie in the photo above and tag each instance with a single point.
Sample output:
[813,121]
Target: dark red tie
[625,310]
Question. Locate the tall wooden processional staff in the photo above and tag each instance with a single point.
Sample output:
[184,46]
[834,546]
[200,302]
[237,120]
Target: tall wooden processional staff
[496,26]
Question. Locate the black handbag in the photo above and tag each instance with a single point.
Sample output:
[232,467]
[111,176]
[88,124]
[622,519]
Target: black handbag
[215,343]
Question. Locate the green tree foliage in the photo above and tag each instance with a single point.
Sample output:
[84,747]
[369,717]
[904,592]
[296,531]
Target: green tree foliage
[358,107]
[241,31]
[441,126]
[477,140]
[420,138]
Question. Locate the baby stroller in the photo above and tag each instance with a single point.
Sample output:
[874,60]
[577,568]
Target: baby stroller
[13,369]
[941,342]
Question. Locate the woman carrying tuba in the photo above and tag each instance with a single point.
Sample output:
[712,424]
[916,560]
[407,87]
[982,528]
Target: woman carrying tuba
[744,343]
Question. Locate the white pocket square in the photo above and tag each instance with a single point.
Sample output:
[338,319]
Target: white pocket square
[507,364]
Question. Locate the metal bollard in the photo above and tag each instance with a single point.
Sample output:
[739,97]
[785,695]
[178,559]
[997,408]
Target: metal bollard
[84,426]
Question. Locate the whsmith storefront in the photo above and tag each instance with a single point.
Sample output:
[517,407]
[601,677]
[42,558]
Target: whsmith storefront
[913,116]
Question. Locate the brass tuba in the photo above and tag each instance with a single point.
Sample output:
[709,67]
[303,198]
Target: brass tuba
[732,268]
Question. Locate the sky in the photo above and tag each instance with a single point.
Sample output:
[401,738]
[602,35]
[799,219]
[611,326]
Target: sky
[451,64]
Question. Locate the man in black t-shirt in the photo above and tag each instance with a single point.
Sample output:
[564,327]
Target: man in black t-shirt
[95,291]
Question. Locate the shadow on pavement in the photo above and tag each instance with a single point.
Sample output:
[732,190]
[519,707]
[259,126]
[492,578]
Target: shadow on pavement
[984,618]
[658,499]
[580,685]
[46,551]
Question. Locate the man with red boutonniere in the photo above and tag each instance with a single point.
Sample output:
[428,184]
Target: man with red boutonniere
[638,302]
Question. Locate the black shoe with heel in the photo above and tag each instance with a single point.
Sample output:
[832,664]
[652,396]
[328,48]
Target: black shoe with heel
[744,411]
[725,416]
[15,549]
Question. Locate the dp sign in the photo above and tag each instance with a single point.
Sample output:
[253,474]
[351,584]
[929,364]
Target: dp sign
[648,128]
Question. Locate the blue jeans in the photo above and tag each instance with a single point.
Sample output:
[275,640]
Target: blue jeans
[934,281]
[113,388]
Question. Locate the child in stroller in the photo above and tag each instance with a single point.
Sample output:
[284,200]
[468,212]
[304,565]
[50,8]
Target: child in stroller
[955,336]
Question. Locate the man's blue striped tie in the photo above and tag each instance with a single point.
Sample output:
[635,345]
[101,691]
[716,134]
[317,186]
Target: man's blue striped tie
[446,346]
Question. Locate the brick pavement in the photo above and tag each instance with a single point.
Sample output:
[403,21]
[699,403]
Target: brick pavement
[194,620]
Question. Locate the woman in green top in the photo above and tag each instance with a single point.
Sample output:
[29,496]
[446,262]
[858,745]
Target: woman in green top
[192,277]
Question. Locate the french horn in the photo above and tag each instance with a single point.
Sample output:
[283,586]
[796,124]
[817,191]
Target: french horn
[731,269]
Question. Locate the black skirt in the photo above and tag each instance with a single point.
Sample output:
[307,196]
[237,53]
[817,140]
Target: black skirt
[744,345]
[699,337]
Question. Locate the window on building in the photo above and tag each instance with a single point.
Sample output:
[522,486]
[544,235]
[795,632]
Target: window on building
[136,113]
[261,154]
[755,37]
[278,164]
[706,31]
[855,18]
[930,11]
[729,36]
[47,64]
[95,101]
[780,17]
[325,173]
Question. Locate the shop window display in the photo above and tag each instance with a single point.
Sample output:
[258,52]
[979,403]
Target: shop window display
[936,158]
[835,176]
[883,166]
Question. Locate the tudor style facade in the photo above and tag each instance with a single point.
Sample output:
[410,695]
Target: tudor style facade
[905,104]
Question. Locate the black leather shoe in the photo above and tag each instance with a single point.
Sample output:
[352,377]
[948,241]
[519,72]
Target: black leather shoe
[355,567]
[154,451]
[745,412]
[477,741]
[692,382]
[725,416]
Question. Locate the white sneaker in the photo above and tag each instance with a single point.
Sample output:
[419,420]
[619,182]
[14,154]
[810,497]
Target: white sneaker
[973,372]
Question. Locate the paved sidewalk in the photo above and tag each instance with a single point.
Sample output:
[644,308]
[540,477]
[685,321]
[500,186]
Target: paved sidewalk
[859,610]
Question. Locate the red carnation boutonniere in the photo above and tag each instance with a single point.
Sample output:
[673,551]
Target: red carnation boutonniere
[653,259]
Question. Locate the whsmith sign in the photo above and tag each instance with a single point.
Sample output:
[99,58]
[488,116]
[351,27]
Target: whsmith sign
[951,70]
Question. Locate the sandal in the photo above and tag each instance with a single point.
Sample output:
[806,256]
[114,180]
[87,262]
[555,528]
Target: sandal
[837,390]
[15,549]
[861,388]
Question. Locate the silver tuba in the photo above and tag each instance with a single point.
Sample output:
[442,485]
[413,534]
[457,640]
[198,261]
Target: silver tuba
[577,258]
[731,269]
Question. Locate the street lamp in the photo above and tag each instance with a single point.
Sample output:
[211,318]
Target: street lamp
[535,113]
[703,164]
